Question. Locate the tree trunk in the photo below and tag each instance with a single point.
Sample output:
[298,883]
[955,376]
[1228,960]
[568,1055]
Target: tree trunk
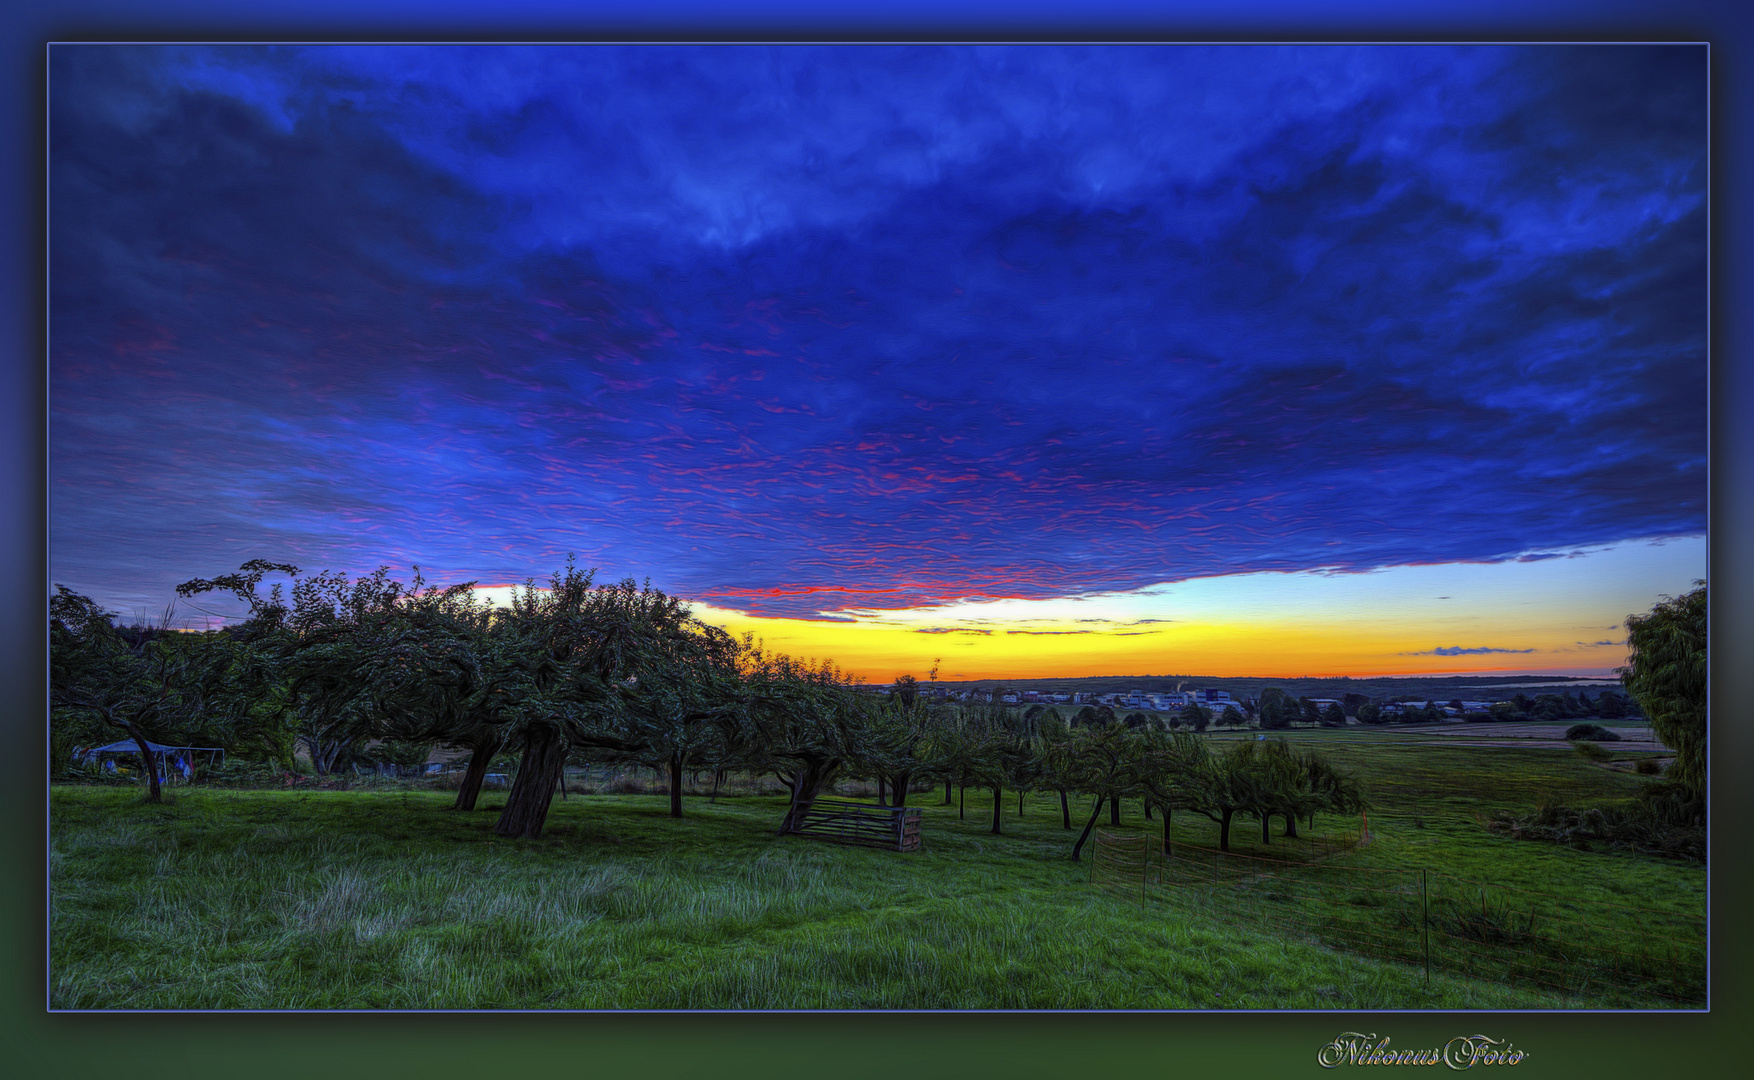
[796,783]
[1291,826]
[947,799]
[718,776]
[1019,802]
[1114,810]
[479,759]
[1065,811]
[1224,831]
[881,800]
[1166,813]
[899,788]
[1147,805]
[526,808]
[1266,820]
[153,792]
[676,785]
[962,803]
[998,806]
[315,746]
[1088,825]
[807,783]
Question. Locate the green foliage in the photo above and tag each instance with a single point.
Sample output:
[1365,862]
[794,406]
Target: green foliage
[273,900]
[1592,732]
[1666,675]
[1277,709]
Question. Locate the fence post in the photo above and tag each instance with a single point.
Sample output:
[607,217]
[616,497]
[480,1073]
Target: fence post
[1425,927]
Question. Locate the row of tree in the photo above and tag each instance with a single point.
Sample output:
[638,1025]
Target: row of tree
[610,674]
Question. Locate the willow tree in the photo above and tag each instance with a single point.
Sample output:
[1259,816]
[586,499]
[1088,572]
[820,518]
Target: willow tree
[1666,674]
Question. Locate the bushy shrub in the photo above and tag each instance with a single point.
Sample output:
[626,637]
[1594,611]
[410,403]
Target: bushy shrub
[1591,732]
[1591,751]
[1649,766]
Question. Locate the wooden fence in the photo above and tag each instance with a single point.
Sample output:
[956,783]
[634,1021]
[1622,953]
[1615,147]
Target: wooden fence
[845,821]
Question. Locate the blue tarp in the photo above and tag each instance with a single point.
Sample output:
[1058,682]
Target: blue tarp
[129,746]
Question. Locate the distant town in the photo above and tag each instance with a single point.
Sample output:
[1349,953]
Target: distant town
[1449,696]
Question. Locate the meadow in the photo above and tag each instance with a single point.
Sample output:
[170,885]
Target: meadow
[386,898]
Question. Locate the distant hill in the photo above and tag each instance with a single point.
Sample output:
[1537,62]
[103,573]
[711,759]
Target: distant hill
[1445,688]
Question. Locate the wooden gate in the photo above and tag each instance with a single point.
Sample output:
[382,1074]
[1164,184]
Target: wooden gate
[845,821]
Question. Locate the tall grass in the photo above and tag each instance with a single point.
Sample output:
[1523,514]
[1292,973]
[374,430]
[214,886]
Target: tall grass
[388,899]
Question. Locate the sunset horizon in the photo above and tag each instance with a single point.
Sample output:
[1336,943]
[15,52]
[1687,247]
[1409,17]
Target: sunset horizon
[1056,361]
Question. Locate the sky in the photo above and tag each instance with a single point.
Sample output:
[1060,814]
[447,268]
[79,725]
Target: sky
[1031,360]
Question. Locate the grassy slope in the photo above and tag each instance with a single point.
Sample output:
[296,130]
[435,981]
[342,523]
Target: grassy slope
[335,899]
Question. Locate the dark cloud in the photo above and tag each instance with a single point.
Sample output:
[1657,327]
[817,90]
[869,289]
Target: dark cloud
[806,331]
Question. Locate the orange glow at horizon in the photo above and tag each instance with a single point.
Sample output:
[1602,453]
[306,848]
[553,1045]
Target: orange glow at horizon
[878,654]
[1462,618]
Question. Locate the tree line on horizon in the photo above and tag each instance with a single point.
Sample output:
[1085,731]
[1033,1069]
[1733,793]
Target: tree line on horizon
[624,674]
[607,674]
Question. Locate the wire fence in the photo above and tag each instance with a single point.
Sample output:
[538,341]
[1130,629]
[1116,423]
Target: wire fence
[1438,921]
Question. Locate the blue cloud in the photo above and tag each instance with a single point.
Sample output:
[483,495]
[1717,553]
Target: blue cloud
[808,330]
[1457,650]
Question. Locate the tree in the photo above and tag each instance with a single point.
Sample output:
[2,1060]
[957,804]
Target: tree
[584,653]
[1196,716]
[1370,713]
[1666,674]
[1171,772]
[1277,709]
[899,748]
[1059,764]
[803,722]
[143,683]
[680,693]
[314,647]
[1104,764]
[1216,787]
[1334,716]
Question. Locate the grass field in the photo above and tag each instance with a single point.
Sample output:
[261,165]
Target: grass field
[388,899]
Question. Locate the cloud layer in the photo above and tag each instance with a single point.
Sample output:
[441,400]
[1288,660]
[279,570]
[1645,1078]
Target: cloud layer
[801,330]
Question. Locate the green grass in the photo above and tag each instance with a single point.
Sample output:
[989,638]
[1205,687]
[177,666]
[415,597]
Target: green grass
[265,899]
